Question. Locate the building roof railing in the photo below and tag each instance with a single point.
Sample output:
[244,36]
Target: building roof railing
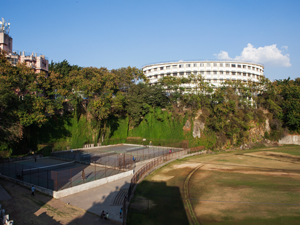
[26,54]
[202,60]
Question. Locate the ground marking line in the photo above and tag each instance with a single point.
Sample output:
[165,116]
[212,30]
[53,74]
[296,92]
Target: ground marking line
[187,195]
[246,166]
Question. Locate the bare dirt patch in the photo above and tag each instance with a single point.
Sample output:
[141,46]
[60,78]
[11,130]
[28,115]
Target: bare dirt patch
[160,177]
[244,170]
[185,165]
[276,156]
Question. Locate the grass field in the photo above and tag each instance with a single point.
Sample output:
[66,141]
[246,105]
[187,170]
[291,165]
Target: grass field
[260,186]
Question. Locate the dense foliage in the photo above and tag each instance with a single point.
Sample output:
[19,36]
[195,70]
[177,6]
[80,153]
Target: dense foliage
[72,106]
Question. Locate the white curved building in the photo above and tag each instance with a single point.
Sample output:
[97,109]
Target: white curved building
[214,72]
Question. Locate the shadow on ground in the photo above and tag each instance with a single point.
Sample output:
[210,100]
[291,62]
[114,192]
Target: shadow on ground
[150,207]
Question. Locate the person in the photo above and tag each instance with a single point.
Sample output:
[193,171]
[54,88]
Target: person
[133,159]
[83,175]
[102,214]
[32,190]
[170,151]
[121,213]
[107,215]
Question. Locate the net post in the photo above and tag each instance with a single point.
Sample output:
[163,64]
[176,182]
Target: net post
[71,177]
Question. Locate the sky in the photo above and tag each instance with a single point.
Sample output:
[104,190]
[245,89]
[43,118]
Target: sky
[116,34]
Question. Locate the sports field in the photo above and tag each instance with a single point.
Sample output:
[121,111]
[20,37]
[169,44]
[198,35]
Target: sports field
[110,155]
[260,186]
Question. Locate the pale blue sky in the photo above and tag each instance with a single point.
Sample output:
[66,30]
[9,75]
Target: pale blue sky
[116,34]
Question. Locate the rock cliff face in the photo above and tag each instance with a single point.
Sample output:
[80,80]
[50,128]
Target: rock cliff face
[198,125]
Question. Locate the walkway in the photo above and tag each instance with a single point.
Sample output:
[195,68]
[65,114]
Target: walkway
[107,197]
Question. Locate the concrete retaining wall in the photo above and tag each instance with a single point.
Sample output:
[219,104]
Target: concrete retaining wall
[290,139]
[89,185]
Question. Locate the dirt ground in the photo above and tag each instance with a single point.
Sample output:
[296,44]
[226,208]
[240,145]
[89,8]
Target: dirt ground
[257,187]
[25,209]
[240,187]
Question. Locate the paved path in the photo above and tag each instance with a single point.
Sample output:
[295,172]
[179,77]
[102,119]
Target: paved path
[101,198]
[3,194]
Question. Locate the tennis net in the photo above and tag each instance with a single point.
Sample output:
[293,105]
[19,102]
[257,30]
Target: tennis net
[136,149]
[47,168]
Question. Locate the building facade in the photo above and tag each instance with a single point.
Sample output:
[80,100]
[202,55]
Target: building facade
[214,72]
[38,62]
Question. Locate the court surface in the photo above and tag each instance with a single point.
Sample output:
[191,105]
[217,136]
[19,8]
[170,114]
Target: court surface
[56,174]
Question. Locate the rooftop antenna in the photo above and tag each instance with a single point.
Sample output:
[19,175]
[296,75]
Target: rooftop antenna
[4,26]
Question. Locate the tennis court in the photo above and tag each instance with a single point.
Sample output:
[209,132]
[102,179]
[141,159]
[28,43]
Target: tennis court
[56,174]
[116,155]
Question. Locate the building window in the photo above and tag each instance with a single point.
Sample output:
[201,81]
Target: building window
[239,66]
[195,64]
[215,72]
[155,69]
[161,68]
[239,73]
[227,72]
[168,74]
[244,74]
[188,65]
[180,66]
[215,64]
[195,72]
[167,67]
[249,67]
[221,72]
[174,66]
[233,73]
[244,66]
[207,64]
[215,80]
[208,72]
[221,80]
[201,72]
[175,74]
[145,71]
[227,65]
[181,73]
[188,73]
[149,70]
[221,64]
[201,64]
[232,65]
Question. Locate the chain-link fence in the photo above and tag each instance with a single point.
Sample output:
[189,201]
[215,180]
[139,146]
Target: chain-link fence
[144,171]
[63,175]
